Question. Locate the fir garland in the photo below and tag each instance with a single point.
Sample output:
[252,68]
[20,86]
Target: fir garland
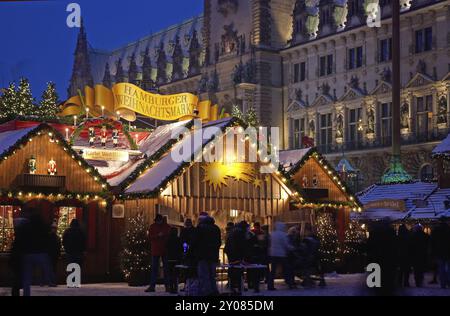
[59,139]
[314,153]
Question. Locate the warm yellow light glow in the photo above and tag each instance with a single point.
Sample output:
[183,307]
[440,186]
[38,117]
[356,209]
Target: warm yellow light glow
[217,173]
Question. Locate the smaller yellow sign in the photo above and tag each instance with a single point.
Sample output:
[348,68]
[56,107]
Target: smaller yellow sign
[398,205]
[106,155]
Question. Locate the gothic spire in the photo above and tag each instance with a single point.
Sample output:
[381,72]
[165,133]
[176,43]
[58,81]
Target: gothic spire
[147,82]
[81,73]
[133,70]
[107,77]
[120,75]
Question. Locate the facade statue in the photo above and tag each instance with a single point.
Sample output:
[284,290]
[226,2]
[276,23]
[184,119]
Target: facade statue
[404,115]
[442,110]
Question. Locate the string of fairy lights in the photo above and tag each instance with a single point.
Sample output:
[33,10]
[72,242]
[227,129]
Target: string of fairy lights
[353,202]
[54,138]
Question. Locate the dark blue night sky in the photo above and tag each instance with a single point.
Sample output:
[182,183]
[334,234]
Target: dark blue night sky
[35,41]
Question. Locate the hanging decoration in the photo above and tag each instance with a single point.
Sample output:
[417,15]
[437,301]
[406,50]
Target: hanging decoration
[103,136]
[115,137]
[315,181]
[59,140]
[305,181]
[32,165]
[51,169]
[91,136]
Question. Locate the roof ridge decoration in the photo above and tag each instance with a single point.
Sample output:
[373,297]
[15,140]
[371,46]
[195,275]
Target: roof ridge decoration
[150,161]
[332,174]
[59,140]
[182,167]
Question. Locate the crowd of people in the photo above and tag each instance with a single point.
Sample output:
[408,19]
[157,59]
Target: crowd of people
[194,255]
[409,252]
[37,245]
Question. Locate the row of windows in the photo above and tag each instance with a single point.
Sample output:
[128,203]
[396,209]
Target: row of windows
[355,125]
[423,43]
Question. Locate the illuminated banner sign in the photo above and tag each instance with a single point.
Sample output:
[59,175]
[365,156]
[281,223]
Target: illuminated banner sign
[124,100]
[106,155]
[387,204]
[129,97]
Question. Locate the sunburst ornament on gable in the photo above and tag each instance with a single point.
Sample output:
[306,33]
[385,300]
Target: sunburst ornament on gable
[217,173]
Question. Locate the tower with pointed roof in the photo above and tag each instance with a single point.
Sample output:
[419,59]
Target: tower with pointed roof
[81,74]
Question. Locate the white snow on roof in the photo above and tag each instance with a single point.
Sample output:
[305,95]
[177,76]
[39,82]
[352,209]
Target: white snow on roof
[153,178]
[443,147]
[414,194]
[10,138]
[160,137]
[289,158]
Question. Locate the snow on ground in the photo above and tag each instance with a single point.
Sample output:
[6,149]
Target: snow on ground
[340,285]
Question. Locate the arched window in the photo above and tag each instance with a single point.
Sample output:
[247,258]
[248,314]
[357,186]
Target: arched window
[426,173]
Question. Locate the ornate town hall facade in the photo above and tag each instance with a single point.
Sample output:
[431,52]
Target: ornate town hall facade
[314,68]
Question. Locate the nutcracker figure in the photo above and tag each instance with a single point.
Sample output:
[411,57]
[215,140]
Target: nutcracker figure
[315,181]
[91,136]
[51,167]
[104,136]
[115,137]
[32,165]
[305,181]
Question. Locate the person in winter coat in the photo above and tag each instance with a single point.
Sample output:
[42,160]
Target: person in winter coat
[311,258]
[158,234]
[207,245]
[17,253]
[381,249]
[440,249]
[35,243]
[419,243]
[236,248]
[256,254]
[403,252]
[278,252]
[187,235]
[174,257]
[74,243]
[54,251]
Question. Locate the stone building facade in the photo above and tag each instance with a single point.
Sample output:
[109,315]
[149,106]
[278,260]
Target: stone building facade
[312,67]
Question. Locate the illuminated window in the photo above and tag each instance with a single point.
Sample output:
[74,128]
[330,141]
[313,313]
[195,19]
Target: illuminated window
[66,215]
[6,227]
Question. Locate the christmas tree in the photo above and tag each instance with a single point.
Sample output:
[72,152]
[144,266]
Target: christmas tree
[250,117]
[25,102]
[355,236]
[329,246]
[135,256]
[237,113]
[8,101]
[49,102]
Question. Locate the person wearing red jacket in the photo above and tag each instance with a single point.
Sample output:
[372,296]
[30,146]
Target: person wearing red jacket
[158,234]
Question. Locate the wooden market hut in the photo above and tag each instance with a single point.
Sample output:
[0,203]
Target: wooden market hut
[184,189]
[321,188]
[75,190]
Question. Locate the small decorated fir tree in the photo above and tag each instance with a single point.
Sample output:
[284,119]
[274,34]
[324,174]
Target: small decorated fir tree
[49,102]
[25,105]
[237,113]
[135,256]
[355,238]
[8,101]
[251,117]
[329,245]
